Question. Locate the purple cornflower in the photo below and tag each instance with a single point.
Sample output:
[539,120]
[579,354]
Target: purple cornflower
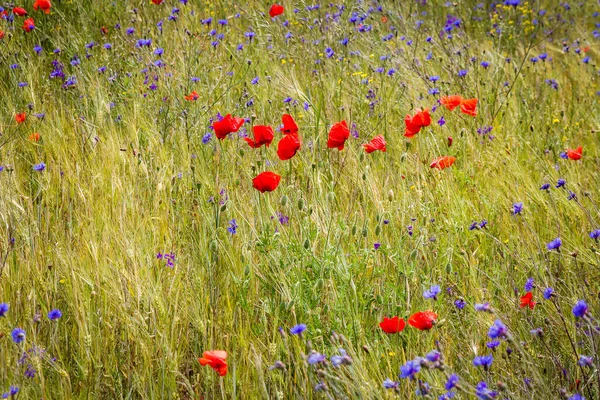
[485,307]
[390,384]
[206,138]
[54,315]
[410,369]
[554,244]
[462,72]
[441,121]
[254,80]
[452,382]
[585,361]
[298,329]
[473,225]
[39,167]
[483,361]
[548,293]
[485,64]
[329,52]
[545,186]
[498,330]
[493,344]
[482,392]
[580,309]
[459,303]
[433,356]
[517,208]
[560,183]
[18,335]
[595,234]
[529,285]
[232,227]
[376,245]
[342,359]
[432,292]
[3,309]
[315,358]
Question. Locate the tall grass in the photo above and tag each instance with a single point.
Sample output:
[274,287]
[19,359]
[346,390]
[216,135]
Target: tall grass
[128,176]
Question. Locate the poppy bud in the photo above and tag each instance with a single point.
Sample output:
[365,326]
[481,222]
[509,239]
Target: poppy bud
[364,176]
[300,204]
[354,230]
[391,195]
[306,244]
[223,207]
[377,230]
[242,152]
[365,231]
[213,246]
[310,210]
[319,285]
[284,200]
[331,197]
[502,387]
[361,157]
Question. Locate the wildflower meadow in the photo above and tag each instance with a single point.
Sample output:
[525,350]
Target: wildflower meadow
[346,199]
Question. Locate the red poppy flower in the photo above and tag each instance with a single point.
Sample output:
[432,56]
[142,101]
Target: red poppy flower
[192,96]
[1,35]
[469,107]
[28,25]
[266,181]
[442,162]
[451,102]
[288,146]
[289,125]
[20,117]
[35,137]
[392,325]
[423,320]
[377,143]
[43,5]
[527,301]
[276,10]
[450,140]
[104,30]
[262,135]
[216,360]
[19,11]
[575,154]
[416,122]
[157,2]
[227,125]
[338,134]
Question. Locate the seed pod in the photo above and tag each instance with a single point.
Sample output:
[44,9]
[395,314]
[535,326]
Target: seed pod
[307,244]
[377,230]
[223,207]
[390,195]
[300,204]
[213,246]
[365,231]
[354,230]
[284,200]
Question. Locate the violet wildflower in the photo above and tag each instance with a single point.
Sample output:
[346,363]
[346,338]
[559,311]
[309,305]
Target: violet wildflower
[554,244]
[432,292]
[390,384]
[54,315]
[18,335]
[315,358]
[3,309]
[498,330]
[298,329]
[529,285]
[441,121]
[585,361]
[483,361]
[459,303]
[451,382]
[485,307]
[232,227]
[545,186]
[482,392]
[595,234]
[517,208]
[410,369]
[39,167]
[580,309]
[560,183]
[548,293]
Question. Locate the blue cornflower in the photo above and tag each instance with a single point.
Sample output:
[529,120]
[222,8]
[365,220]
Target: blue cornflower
[459,303]
[498,330]
[410,369]
[159,52]
[54,315]
[548,293]
[376,245]
[585,361]
[560,183]
[462,72]
[441,121]
[206,138]
[580,309]
[586,60]
[433,356]
[232,227]
[3,309]
[473,225]
[483,307]
[571,195]
[529,285]
[482,392]
[329,52]
[485,64]
[595,234]
[37,48]
[18,335]
[452,382]
[517,208]
[108,46]
[39,167]
[576,396]
[545,186]
[483,361]
[432,292]
[315,358]
[493,344]
[434,78]
[254,80]
[483,224]
[555,244]
[298,329]
[390,384]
